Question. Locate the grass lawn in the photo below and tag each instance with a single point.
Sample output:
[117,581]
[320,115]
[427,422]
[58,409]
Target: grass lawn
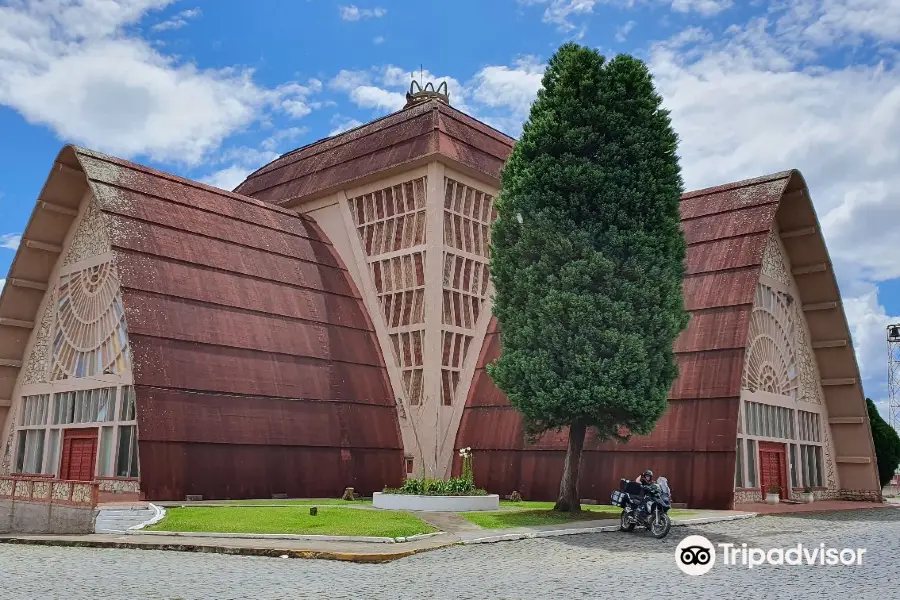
[543,515]
[299,502]
[257,519]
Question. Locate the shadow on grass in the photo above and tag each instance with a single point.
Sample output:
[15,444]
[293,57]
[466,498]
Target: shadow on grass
[511,519]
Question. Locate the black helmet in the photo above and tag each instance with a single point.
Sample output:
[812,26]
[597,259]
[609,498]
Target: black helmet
[647,473]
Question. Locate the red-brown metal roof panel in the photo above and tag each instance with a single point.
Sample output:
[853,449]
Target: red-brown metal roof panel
[470,156]
[717,329]
[463,131]
[245,331]
[231,471]
[243,420]
[152,274]
[756,219]
[171,363]
[403,137]
[190,321]
[727,231]
[340,174]
[172,215]
[699,479]
[727,254]
[720,288]
[175,245]
[735,196]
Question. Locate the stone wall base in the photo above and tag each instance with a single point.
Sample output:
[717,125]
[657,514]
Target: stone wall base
[862,495]
[18,516]
[747,496]
[751,496]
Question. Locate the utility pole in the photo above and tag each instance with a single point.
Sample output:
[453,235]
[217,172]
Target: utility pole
[893,341]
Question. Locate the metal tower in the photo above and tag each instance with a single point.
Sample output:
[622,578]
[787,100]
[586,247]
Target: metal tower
[893,340]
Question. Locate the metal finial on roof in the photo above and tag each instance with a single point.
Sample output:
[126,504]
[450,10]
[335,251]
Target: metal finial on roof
[417,94]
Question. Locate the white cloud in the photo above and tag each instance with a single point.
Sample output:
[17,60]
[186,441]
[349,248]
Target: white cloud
[10,241]
[561,12]
[369,96]
[229,177]
[786,91]
[178,21]
[342,125]
[242,161]
[75,67]
[347,81]
[354,13]
[384,88]
[623,31]
[869,321]
[2,284]
[510,87]
[281,137]
[703,7]
[378,40]
[760,99]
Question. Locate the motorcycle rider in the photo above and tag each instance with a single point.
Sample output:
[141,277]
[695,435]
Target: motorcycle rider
[649,488]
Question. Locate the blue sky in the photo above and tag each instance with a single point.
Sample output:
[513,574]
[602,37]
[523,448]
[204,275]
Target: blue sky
[214,90]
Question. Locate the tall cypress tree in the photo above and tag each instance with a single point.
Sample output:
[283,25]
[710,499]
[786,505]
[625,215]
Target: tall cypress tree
[886,442]
[588,256]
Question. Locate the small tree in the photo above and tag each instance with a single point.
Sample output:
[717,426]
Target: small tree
[588,257]
[887,444]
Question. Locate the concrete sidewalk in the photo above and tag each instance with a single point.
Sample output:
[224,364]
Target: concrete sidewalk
[457,531]
[761,508]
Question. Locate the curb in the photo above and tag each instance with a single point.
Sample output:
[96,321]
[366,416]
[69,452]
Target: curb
[158,515]
[530,535]
[327,555]
[229,550]
[286,536]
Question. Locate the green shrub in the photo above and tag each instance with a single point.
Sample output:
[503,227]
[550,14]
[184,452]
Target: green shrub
[456,486]
[886,442]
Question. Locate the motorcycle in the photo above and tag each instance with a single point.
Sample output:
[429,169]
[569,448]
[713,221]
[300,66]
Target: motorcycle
[650,509]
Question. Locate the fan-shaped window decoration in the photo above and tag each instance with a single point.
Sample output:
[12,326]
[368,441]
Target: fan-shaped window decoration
[90,337]
[771,363]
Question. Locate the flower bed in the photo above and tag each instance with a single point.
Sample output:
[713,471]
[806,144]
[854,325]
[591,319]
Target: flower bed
[457,494]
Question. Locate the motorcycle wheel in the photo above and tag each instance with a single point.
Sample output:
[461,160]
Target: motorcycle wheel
[625,524]
[660,529]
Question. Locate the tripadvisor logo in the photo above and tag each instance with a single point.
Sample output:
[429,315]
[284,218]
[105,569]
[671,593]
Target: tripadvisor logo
[696,555]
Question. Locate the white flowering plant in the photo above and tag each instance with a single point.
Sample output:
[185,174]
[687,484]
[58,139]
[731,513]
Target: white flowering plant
[467,470]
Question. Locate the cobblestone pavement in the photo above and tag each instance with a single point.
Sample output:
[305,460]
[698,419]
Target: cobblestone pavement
[608,565]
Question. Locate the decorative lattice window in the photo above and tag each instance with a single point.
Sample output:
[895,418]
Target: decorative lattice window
[771,363]
[90,337]
[391,227]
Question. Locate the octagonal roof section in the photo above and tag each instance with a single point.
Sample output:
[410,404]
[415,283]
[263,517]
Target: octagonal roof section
[403,140]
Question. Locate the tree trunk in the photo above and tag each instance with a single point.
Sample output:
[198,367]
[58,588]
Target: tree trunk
[568,500]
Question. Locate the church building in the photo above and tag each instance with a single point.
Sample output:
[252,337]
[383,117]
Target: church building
[328,323]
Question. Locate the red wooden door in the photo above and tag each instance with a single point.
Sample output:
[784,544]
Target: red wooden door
[773,467]
[79,457]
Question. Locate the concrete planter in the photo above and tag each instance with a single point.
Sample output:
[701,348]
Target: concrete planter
[772,499]
[435,503]
[807,497]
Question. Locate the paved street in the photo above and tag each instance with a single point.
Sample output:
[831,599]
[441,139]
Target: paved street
[588,566]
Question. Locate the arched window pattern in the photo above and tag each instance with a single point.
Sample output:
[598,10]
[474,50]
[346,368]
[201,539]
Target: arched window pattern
[771,363]
[90,337]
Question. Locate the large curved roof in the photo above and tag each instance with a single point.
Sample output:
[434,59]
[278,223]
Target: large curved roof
[727,229]
[246,330]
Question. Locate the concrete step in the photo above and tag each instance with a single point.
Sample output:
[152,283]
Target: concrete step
[120,519]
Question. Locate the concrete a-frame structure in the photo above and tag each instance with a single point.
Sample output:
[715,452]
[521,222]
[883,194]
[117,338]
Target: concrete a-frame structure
[407,202]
